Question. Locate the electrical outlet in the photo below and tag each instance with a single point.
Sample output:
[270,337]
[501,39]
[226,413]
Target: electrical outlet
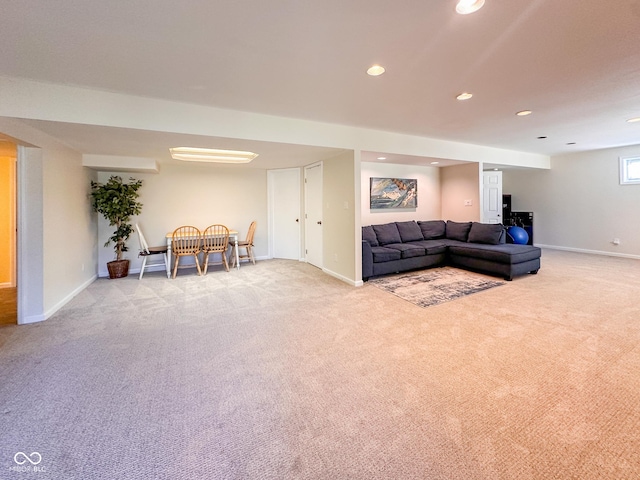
[616,241]
[468,203]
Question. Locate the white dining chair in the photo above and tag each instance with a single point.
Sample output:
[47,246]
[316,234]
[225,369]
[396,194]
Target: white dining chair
[147,251]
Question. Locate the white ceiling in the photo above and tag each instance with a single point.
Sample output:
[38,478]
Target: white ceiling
[575,63]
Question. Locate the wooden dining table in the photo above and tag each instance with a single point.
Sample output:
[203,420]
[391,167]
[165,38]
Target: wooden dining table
[233,238]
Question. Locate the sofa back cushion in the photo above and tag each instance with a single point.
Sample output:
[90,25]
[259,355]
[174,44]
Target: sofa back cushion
[433,229]
[489,233]
[370,236]
[458,230]
[387,233]
[409,231]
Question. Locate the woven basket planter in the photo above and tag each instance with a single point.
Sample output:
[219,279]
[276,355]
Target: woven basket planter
[118,268]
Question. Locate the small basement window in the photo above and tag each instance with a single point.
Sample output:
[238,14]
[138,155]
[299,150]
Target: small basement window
[629,170]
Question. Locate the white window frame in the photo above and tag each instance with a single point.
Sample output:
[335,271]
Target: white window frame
[625,164]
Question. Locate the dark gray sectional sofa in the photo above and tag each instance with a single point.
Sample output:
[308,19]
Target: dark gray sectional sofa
[401,246]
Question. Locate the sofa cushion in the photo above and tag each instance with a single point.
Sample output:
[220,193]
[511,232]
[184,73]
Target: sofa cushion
[409,231]
[370,236]
[384,254]
[458,230]
[407,250]
[432,247]
[432,229]
[488,233]
[387,233]
[507,253]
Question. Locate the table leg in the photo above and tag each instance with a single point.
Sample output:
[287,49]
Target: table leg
[237,253]
[169,257]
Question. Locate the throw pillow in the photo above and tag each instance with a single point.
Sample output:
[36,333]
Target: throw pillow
[370,236]
[387,233]
[432,229]
[458,230]
[488,233]
[409,231]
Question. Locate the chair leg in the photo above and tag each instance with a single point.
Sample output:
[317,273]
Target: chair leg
[144,263]
[175,266]
[198,264]
[206,262]
[225,262]
[250,253]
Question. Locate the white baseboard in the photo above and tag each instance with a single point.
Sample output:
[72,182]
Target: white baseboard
[590,252]
[61,303]
[340,277]
[33,319]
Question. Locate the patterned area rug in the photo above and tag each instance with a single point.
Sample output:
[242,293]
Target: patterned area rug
[432,287]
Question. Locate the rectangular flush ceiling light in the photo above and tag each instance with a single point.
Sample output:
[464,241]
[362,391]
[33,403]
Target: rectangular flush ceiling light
[191,154]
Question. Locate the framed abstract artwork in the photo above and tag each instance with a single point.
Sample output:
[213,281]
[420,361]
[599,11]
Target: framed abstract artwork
[393,193]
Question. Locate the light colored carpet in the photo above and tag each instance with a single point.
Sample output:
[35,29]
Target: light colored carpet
[278,371]
[434,286]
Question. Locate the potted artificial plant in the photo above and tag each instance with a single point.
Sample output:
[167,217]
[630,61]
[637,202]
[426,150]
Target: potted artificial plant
[117,202]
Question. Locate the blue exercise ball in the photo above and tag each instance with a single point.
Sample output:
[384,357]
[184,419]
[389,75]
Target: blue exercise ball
[519,235]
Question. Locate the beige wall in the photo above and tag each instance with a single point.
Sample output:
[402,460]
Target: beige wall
[68,255]
[338,217]
[193,194]
[429,204]
[460,183]
[579,203]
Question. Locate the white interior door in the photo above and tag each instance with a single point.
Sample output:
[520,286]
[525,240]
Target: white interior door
[313,214]
[284,213]
[492,196]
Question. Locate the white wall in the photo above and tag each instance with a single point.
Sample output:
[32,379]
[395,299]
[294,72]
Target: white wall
[429,203]
[579,203]
[41,101]
[193,194]
[459,184]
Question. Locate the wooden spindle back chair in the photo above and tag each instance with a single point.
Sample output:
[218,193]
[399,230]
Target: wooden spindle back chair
[215,240]
[186,241]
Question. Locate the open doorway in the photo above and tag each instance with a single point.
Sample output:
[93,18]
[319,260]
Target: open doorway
[8,270]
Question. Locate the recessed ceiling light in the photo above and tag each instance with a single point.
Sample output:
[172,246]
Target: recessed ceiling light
[464,96]
[524,113]
[382,158]
[435,163]
[465,7]
[191,154]
[496,169]
[633,120]
[375,70]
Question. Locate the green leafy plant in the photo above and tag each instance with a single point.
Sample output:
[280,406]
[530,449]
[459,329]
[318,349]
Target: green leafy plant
[117,202]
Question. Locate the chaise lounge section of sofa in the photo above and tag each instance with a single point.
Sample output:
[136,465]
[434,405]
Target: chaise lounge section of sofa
[402,246]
